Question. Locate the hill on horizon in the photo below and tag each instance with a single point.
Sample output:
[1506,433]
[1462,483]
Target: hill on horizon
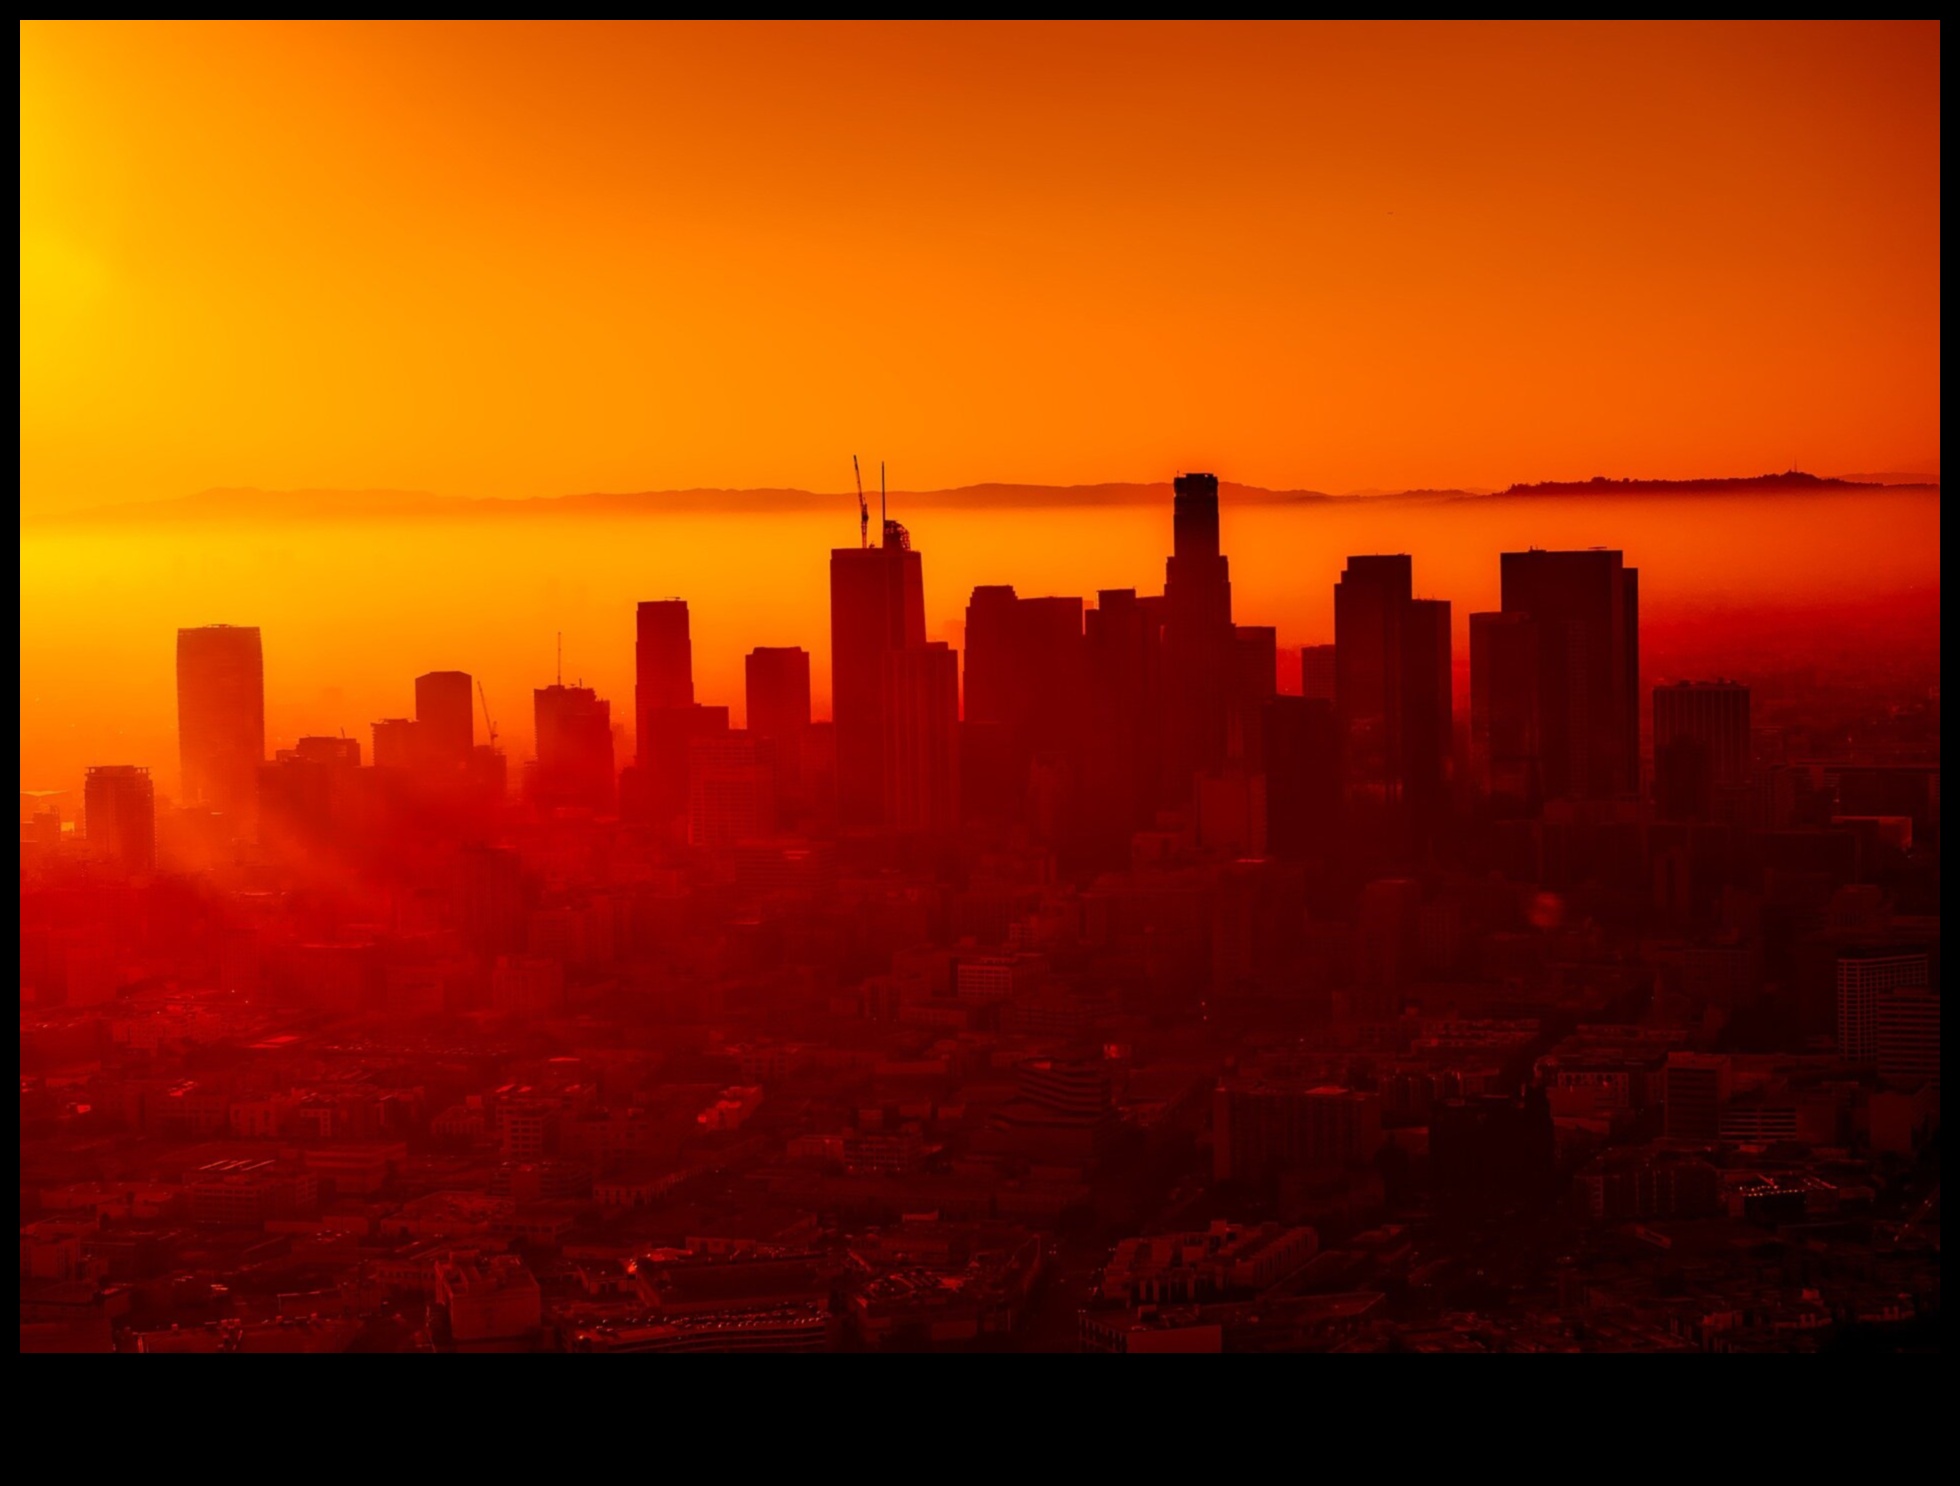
[253,504]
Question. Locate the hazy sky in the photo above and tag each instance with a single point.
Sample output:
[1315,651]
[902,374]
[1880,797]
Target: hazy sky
[506,260]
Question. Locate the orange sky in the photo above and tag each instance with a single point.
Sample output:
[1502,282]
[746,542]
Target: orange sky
[527,260]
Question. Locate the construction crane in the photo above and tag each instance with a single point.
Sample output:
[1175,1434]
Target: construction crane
[864,511]
[486,713]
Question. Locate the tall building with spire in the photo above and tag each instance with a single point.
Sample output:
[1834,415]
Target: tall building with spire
[877,606]
[1199,642]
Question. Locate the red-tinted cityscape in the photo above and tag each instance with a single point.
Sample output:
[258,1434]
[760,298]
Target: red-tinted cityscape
[1550,964]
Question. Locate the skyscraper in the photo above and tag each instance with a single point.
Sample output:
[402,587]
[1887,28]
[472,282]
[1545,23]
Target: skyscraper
[992,656]
[574,764]
[1371,609]
[778,690]
[778,682]
[663,664]
[877,607]
[1122,668]
[1198,638]
[993,747]
[1701,745]
[1427,712]
[1586,610]
[120,807]
[1504,745]
[445,718]
[1255,680]
[663,710]
[1392,686]
[221,717]
[1023,679]
[921,753]
[1050,644]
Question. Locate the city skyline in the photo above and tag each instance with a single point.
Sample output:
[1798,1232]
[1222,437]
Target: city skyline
[1700,605]
[1003,688]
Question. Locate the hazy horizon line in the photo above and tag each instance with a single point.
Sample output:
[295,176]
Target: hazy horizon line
[376,502]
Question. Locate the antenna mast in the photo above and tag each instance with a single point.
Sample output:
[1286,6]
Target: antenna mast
[561,657]
[864,511]
[882,517]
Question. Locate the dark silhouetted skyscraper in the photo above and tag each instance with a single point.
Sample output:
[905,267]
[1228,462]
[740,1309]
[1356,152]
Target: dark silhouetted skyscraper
[574,766]
[1586,608]
[1393,691]
[1371,610]
[1023,696]
[664,717]
[445,718]
[778,681]
[921,752]
[1255,681]
[993,749]
[121,814]
[221,717]
[993,687]
[1504,746]
[1050,642]
[1199,643]
[778,689]
[877,606]
[1122,668]
[663,664]
[1427,739]
[1701,745]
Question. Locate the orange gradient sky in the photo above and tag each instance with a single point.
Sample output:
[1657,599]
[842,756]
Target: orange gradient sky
[515,260]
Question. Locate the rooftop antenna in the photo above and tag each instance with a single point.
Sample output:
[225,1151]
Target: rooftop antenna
[882,517]
[864,511]
[561,657]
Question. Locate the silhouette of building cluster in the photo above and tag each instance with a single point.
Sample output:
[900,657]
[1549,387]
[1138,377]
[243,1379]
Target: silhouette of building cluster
[1081,988]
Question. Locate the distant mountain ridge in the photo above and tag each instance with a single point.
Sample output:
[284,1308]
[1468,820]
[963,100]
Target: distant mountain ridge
[1790,482]
[250,504]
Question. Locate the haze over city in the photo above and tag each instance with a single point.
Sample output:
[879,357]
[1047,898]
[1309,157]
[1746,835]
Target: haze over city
[1109,688]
